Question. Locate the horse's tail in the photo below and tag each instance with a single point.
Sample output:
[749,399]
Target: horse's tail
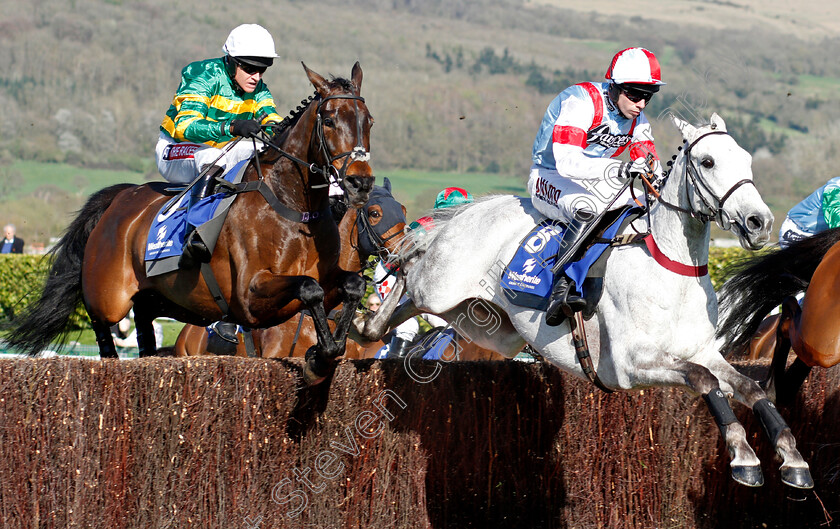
[760,284]
[43,321]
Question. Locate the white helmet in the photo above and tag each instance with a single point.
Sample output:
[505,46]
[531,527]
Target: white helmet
[635,66]
[251,43]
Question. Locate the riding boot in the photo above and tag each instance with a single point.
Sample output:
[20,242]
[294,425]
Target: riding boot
[398,347]
[564,301]
[195,251]
[226,331]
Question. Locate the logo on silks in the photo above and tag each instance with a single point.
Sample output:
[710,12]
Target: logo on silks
[529,272]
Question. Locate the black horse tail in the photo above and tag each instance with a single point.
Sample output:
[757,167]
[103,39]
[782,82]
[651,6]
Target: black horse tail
[760,284]
[45,320]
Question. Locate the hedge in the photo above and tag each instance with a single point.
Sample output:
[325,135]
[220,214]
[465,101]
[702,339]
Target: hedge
[241,443]
[21,280]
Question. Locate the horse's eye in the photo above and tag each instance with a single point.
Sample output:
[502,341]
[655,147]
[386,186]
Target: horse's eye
[708,163]
[375,214]
[328,122]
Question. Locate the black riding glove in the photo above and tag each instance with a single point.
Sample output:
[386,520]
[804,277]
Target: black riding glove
[244,127]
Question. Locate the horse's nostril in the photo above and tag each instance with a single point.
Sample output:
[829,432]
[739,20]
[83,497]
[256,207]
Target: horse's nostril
[360,184]
[754,223]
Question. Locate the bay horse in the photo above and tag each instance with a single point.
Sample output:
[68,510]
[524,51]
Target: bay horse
[276,255]
[655,323]
[375,229]
[811,329]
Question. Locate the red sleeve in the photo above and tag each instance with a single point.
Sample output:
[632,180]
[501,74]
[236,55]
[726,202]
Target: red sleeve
[567,135]
[640,149]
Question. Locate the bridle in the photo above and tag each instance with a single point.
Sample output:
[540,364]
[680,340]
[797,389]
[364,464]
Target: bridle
[713,204]
[357,154]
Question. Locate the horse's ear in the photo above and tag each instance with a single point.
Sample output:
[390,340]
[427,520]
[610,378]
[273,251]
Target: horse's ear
[686,129]
[717,122]
[356,77]
[317,81]
[387,184]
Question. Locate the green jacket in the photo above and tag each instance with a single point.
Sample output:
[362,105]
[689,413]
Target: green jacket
[208,99]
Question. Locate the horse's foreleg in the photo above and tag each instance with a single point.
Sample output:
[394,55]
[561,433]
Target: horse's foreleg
[352,290]
[373,328]
[744,464]
[312,295]
[794,469]
[104,340]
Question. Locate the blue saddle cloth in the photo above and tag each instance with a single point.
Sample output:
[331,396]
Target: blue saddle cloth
[433,346]
[528,279]
[166,234]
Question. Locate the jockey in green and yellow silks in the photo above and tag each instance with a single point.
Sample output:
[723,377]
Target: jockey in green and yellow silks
[217,100]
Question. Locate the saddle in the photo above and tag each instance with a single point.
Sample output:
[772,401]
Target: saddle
[166,234]
[528,278]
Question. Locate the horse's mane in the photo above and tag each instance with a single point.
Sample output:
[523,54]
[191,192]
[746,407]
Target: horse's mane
[282,128]
[759,284]
[416,241]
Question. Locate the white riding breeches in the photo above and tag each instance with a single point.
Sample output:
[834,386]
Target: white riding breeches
[180,162]
[558,197]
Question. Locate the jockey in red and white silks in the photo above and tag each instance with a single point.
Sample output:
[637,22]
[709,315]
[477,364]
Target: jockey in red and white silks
[585,128]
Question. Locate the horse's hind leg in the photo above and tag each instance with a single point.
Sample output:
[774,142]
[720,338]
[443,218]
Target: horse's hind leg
[776,382]
[145,336]
[104,340]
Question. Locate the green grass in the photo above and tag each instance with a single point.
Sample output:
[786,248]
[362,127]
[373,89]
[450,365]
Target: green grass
[171,329]
[412,183]
[417,190]
[72,179]
[817,86]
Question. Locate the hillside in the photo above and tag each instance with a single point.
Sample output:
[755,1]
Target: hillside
[454,85]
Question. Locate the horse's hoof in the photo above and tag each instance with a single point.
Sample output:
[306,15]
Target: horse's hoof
[749,476]
[316,368]
[797,477]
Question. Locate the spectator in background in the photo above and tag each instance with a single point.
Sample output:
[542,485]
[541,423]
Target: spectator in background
[123,338]
[11,242]
[373,302]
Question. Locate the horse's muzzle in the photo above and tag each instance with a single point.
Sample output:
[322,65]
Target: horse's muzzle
[358,188]
[754,230]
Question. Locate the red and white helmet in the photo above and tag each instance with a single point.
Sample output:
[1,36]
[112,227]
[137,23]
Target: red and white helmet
[635,66]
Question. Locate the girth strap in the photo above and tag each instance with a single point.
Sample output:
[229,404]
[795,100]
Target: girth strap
[280,209]
[582,352]
[213,287]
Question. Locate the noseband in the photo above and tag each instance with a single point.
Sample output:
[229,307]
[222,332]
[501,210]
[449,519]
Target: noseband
[714,204]
[358,154]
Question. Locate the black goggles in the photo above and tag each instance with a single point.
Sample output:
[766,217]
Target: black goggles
[250,69]
[636,95]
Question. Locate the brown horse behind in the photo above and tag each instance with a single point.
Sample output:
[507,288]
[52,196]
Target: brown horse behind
[292,339]
[810,329]
[276,255]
